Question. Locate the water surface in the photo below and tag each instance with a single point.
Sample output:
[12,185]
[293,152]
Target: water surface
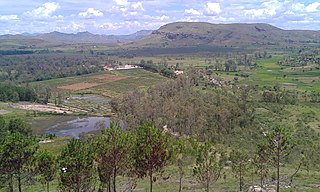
[78,125]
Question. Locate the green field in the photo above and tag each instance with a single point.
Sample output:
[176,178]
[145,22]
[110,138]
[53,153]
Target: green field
[270,73]
[134,78]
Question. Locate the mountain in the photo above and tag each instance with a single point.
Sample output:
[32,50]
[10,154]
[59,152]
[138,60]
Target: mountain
[57,38]
[179,34]
[182,34]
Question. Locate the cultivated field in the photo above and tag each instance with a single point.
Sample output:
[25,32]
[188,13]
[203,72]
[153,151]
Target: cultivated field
[109,84]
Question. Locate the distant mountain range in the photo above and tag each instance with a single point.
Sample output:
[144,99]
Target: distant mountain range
[57,38]
[179,34]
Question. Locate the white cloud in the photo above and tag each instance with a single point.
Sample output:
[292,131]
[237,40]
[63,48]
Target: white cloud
[158,18]
[297,7]
[213,9]
[260,13]
[313,7]
[110,26]
[8,17]
[70,27]
[121,2]
[45,11]
[192,12]
[137,6]
[127,9]
[91,12]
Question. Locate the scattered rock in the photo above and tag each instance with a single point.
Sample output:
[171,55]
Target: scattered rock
[257,188]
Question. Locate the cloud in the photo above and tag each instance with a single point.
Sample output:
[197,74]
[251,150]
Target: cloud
[267,9]
[213,9]
[128,8]
[126,16]
[297,7]
[110,26]
[121,2]
[45,11]
[137,6]
[192,11]
[313,7]
[91,12]
[8,17]
[260,13]
[157,18]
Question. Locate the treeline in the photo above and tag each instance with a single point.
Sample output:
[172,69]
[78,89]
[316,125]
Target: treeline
[16,93]
[15,52]
[162,68]
[38,67]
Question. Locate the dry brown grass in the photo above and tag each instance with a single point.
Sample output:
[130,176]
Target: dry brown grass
[78,86]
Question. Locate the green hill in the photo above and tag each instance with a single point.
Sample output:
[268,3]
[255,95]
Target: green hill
[238,35]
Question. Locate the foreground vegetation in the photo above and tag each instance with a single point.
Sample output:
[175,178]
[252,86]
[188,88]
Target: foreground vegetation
[200,143]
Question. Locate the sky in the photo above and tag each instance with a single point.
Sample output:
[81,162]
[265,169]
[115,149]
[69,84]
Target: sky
[128,16]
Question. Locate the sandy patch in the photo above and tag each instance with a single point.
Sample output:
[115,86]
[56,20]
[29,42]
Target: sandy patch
[78,86]
[43,108]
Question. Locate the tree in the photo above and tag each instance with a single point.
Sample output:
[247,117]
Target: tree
[279,145]
[240,161]
[3,127]
[150,153]
[180,151]
[16,150]
[112,148]
[76,163]
[209,164]
[17,125]
[261,161]
[46,166]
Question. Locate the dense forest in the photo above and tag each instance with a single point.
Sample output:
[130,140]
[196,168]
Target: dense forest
[38,67]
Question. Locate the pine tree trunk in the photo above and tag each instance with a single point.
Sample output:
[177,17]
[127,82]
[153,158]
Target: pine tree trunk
[48,189]
[278,168]
[151,181]
[208,183]
[261,177]
[180,183]
[10,183]
[240,182]
[19,181]
[114,179]
[109,185]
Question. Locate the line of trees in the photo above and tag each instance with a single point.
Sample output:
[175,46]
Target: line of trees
[16,93]
[138,153]
[39,67]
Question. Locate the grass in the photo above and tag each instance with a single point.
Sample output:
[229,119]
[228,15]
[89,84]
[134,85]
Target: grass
[270,73]
[168,181]
[136,78]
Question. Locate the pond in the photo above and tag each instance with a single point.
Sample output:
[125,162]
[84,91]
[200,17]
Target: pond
[78,125]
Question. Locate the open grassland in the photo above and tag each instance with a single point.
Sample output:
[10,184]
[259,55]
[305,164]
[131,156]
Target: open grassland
[270,73]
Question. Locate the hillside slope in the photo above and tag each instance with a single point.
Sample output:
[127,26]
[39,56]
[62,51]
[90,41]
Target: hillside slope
[199,33]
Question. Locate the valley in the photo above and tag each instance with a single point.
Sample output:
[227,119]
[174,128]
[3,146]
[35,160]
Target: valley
[200,88]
